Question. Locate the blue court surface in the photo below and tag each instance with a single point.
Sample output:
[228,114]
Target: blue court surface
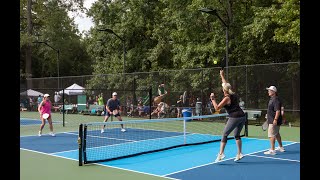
[186,163]
[30,122]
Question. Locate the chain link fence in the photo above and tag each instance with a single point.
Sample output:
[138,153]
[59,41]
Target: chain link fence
[140,89]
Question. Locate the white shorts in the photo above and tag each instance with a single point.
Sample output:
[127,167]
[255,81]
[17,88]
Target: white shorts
[273,130]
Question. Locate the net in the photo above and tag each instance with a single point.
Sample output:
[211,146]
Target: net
[146,136]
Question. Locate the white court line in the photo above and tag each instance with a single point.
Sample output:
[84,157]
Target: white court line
[130,141]
[31,119]
[64,151]
[48,134]
[49,154]
[105,137]
[220,161]
[34,151]
[274,158]
[135,171]
[198,166]
[98,164]
[163,176]
[71,133]
[266,139]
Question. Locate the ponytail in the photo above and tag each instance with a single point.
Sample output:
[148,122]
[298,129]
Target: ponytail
[227,87]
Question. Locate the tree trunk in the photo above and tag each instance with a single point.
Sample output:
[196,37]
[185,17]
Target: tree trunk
[29,50]
[229,13]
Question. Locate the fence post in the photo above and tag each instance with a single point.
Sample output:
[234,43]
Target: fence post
[63,110]
[246,125]
[150,101]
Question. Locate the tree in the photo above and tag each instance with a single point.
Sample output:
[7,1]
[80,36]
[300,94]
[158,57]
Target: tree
[51,24]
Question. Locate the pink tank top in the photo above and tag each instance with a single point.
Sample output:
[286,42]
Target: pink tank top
[46,107]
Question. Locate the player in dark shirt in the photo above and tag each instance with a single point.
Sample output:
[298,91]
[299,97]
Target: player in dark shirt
[113,108]
[236,118]
[274,118]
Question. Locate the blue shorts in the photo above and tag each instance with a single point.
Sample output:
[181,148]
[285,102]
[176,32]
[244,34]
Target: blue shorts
[146,109]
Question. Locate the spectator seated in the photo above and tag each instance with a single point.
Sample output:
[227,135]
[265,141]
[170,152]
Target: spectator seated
[67,108]
[93,110]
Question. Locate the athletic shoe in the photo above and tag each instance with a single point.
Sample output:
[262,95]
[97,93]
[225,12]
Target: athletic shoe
[123,130]
[52,134]
[270,152]
[220,157]
[102,130]
[238,157]
[281,149]
[39,134]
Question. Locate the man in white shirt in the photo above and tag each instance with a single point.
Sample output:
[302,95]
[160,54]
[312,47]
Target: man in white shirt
[57,98]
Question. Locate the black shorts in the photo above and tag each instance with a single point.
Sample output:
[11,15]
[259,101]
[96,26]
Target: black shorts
[115,115]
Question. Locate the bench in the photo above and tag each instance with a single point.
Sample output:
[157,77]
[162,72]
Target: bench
[56,108]
[67,108]
[253,115]
[93,110]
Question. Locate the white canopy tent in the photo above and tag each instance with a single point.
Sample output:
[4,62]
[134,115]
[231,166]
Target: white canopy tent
[31,92]
[74,89]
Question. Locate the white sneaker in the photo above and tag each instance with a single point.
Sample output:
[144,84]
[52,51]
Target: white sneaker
[52,134]
[238,157]
[281,149]
[102,130]
[270,152]
[220,157]
[40,133]
[123,130]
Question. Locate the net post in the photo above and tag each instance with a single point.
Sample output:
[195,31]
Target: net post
[84,138]
[246,125]
[80,143]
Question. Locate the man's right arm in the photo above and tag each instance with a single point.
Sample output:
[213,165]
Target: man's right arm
[107,108]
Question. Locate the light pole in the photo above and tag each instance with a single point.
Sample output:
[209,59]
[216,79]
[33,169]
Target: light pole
[58,56]
[214,12]
[123,44]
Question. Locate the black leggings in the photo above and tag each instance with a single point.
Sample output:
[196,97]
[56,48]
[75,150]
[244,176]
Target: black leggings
[235,124]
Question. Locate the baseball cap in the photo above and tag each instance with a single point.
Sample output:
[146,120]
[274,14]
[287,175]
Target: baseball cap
[272,88]
[46,95]
[114,94]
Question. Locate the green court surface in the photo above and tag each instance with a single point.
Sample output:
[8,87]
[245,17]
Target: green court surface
[38,166]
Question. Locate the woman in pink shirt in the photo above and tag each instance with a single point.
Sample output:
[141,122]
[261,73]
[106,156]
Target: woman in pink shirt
[43,108]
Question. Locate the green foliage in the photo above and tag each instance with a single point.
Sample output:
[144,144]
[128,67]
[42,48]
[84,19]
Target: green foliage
[51,24]
[282,16]
[170,34]
[175,34]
